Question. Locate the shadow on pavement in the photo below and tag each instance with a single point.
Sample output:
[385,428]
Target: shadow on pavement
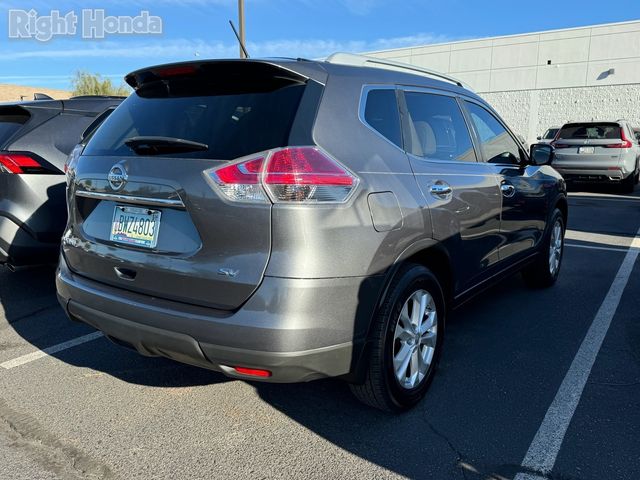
[28,299]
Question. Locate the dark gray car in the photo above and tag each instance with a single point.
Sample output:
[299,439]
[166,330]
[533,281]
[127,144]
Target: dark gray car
[35,140]
[288,220]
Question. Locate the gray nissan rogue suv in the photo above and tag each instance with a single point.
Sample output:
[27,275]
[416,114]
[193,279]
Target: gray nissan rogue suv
[287,220]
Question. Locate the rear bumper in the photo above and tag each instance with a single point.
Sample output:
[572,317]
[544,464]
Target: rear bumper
[587,175]
[298,329]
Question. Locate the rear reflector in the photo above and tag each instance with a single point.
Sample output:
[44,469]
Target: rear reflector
[253,372]
[561,145]
[292,174]
[19,163]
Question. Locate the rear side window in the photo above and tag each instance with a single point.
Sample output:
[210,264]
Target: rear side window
[551,133]
[592,131]
[437,128]
[11,120]
[381,113]
[498,146]
[231,123]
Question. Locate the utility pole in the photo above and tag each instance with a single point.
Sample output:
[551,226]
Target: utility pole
[241,22]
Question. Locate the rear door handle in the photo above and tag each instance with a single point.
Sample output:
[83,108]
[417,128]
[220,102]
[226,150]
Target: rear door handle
[125,273]
[507,190]
[440,189]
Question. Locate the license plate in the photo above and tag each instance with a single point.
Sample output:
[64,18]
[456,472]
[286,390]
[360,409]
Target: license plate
[586,150]
[135,226]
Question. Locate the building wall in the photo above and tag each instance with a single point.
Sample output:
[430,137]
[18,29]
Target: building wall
[531,112]
[537,80]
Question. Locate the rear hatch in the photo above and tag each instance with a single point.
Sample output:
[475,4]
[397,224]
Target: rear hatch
[144,168]
[590,146]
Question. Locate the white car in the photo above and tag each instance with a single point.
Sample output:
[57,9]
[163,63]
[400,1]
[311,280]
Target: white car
[598,152]
[549,135]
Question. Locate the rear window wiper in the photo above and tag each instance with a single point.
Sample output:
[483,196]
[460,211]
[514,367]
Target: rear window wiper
[160,145]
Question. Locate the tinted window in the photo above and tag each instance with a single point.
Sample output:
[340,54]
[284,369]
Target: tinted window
[596,131]
[93,126]
[437,128]
[11,119]
[381,113]
[230,124]
[498,146]
[551,133]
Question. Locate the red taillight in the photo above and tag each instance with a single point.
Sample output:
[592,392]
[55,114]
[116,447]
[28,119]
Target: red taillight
[19,163]
[254,372]
[560,145]
[245,173]
[626,143]
[305,166]
[240,181]
[292,174]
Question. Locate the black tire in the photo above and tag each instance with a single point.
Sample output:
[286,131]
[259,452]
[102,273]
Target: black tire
[381,389]
[539,274]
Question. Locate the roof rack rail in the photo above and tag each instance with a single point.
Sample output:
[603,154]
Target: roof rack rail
[365,60]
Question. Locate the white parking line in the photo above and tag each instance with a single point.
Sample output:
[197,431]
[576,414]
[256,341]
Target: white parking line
[604,239]
[543,451]
[602,196]
[593,247]
[30,357]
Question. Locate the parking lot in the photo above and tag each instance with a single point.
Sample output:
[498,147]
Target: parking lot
[96,410]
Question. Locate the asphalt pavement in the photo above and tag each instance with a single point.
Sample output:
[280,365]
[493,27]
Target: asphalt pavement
[93,410]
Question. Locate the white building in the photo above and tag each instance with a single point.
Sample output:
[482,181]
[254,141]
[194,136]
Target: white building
[538,80]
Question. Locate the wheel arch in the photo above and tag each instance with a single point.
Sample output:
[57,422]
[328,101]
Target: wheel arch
[431,254]
[427,252]
[563,205]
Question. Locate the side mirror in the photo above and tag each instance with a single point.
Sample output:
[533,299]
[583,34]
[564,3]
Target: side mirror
[538,137]
[541,154]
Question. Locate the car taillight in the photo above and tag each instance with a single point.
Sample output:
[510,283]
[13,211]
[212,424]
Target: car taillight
[19,163]
[626,143]
[291,175]
[560,145]
[240,181]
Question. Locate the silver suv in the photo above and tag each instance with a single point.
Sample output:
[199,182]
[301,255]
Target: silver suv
[288,220]
[598,152]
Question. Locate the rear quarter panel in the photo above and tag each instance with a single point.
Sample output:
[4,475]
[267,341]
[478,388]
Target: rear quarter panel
[340,240]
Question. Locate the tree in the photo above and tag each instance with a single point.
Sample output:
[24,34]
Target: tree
[85,83]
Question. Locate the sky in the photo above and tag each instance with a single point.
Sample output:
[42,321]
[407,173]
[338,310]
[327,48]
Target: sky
[296,28]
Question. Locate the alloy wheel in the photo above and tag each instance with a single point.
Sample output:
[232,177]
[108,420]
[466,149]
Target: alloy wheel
[415,338]
[555,248]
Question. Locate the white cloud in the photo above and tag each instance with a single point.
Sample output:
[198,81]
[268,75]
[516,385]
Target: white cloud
[185,49]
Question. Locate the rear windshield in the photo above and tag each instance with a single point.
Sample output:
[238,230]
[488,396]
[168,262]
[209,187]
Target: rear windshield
[596,131]
[11,119]
[551,133]
[232,124]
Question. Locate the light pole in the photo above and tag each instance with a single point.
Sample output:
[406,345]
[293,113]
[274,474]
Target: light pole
[241,22]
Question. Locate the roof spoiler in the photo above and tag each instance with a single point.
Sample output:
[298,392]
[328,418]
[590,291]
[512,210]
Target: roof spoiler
[222,70]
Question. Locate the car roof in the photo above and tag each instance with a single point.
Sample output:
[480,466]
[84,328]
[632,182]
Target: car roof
[319,70]
[88,103]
